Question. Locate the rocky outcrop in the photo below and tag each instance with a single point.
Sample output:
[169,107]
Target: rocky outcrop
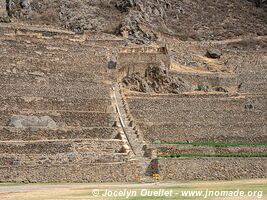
[142,21]
[19,8]
[156,80]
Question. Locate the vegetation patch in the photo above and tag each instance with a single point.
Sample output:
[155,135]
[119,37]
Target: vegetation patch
[213,144]
[5,19]
[243,155]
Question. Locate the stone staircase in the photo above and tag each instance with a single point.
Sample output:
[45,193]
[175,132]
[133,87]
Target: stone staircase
[133,135]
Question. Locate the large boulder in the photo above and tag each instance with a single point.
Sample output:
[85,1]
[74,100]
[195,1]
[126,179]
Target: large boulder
[19,8]
[214,53]
[22,121]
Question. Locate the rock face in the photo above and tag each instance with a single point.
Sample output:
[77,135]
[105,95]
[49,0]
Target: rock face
[156,80]
[25,7]
[19,8]
[21,121]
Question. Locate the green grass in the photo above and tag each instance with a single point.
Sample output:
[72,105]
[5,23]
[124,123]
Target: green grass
[85,191]
[214,155]
[214,144]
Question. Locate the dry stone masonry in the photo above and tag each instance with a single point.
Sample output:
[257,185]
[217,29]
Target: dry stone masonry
[137,98]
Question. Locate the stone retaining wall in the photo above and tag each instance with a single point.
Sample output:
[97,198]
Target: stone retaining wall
[197,117]
[211,80]
[181,118]
[197,103]
[35,103]
[172,149]
[15,160]
[9,133]
[232,132]
[114,172]
[212,168]
[64,118]
[96,91]
[54,147]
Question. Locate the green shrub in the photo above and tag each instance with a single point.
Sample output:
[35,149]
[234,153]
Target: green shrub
[5,19]
[204,88]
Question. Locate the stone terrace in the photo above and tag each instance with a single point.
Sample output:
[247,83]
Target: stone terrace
[62,79]
[224,131]
[65,118]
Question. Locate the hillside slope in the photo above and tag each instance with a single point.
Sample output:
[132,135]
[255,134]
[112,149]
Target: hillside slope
[138,20]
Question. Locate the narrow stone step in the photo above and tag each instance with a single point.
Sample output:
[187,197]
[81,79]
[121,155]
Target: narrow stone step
[130,130]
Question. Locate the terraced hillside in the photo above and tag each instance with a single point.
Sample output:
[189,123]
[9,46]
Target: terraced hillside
[67,114]
[215,133]
[57,117]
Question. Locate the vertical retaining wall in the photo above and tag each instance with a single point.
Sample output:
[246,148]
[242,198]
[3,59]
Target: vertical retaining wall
[213,168]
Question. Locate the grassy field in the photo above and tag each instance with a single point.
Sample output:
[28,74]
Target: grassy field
[214,144]
[252,189]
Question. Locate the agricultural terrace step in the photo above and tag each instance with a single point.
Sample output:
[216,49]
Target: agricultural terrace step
[211,79]
[41,79]
[247,61]
[197,104]
[232,132]
[195,116]
[172,149]
[49,75]
[14,76]
[56,45]
[64,118]
[51,64]
[46,47]
[61,146]
[63,57]
[34,133]
[176,96]
[75,40]
[16,28]
[253,76]
[54,103]
[212,168]
[61,158]
[254,87]
[101,172]
[93,90]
